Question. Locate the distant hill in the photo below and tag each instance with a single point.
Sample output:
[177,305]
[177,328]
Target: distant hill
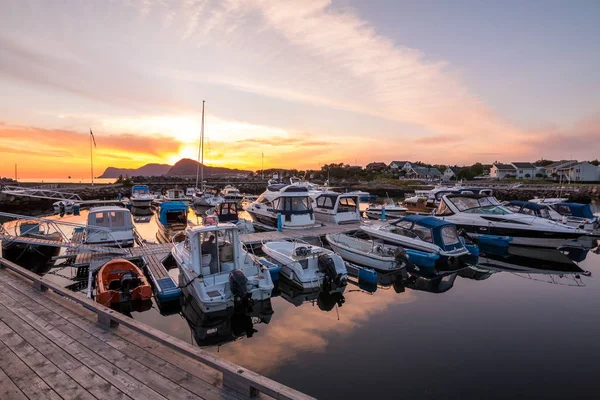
[187,167]
[146,170]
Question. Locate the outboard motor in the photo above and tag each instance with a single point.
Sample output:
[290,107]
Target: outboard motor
[326,301]
[129,281]
[327,267]
[401,257]
[239,285]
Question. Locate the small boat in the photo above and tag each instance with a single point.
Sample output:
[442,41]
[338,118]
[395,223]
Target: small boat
[228,212]
[308,267]
[426,239]
[572,214]
[176,195]
[387,210]
[231,194]
[217,272]
[206,199]
[362,250]
[141,197]
[34,257]
[109,226]
[336,208]
[119,281]
[172,218]
[63,206]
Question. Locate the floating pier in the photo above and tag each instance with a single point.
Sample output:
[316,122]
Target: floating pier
[165,287]
[58,344]
[257,238]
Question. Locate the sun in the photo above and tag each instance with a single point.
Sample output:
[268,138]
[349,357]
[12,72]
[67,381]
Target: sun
[185,151]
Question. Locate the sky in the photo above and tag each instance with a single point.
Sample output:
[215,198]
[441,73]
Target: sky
[304,82]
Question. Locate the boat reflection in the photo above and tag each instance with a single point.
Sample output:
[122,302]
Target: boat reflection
[548,265]
[326,299]
[210,329]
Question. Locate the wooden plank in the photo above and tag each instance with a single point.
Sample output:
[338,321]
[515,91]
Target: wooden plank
[80,373]
[97,339]
[8,390]
[23,377]
[60,382]
[245,376]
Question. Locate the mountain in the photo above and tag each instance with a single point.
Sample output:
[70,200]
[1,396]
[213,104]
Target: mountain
[187,167]
[146,170]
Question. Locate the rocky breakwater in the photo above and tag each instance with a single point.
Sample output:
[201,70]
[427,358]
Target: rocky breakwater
[576,193]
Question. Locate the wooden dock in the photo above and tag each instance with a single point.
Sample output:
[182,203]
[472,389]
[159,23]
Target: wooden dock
[257,238]
[51,348]
[165,288]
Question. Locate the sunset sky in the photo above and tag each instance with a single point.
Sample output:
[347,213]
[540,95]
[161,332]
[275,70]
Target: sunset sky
[306,82]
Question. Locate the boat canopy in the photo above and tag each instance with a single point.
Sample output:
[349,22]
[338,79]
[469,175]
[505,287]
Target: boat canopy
[433,230]
[575,209]
[470,203]
[110,217]
[529,208]
[527,204]
[140,189]
[227,211]
[170,208]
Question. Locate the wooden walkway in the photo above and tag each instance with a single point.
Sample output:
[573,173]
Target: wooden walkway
[86,258]
[52,348]
[291,234]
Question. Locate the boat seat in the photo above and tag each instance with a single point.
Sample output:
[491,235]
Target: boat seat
[115,284]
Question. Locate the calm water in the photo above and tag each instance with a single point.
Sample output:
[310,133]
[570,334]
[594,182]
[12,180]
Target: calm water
[510,335]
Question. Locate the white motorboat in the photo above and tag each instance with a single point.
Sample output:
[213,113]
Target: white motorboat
[307,267]
[206,199]
[141,197]
[63,206]
[290,203]
[484,215]
[368,252]
[231,193]
[392,210]
[219,274]
[175,194]
[228,212]
[421,233]
[336,208]
[109,226]
[573,214]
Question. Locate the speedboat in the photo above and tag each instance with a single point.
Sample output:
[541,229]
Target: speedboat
[217,272]
[481,215]
[336,208]
[171,220]
[572,214]
[289,206]
[141,197]
[119,281]
[176,194]
[206,199]
[228,212]
[35,257]
[422,235]
[109,226]
[549,200]
[367,252]
[387,210]
[231,193]
[63,206]
[308,267]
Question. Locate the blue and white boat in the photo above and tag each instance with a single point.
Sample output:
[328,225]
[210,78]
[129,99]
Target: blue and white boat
[423,237]
[141,197]
[172,218]
[573,214]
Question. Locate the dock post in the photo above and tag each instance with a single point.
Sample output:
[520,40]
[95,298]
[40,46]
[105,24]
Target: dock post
[105,320]
[240,385]
[383,213]
[39,286]
[279,222]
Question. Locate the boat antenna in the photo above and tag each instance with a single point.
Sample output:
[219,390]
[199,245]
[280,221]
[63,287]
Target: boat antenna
[201,151]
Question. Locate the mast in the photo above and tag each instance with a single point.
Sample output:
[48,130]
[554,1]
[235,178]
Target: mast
[201,152]
[91,159]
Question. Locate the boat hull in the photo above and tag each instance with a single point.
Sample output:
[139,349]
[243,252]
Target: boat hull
[369,260]
[520,237]
[109,284]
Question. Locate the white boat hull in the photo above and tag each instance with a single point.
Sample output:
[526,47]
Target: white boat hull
[364,259]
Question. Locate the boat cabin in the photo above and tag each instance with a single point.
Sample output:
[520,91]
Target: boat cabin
[574,210]
[227,211]
[213,248]
[173,194]
[140,190]
[293,200]
[337,208]
[429,229]
[109,225]
[172,213]
[533,209]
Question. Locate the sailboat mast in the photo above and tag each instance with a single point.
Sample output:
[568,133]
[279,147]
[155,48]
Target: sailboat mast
[202,142]
[200,149]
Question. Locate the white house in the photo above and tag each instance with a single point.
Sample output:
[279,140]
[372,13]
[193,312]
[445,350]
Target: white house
[400,165]
[450,173]
[524,170]
[553,170]
[500,171]
[581,172]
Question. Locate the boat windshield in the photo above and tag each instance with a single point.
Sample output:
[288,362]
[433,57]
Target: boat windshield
[292,204]
[449,235]
[482,205]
